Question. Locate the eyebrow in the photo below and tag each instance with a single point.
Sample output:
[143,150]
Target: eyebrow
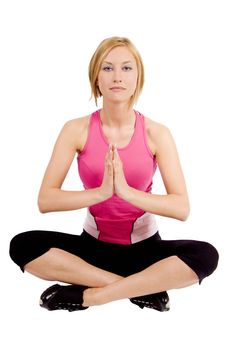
[126,62]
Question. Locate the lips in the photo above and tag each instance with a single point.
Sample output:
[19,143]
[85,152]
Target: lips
[117,88]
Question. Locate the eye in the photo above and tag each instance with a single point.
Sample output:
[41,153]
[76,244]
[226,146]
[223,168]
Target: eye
[127,68]
[107,68]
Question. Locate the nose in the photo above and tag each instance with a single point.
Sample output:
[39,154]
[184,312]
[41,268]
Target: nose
[117,76]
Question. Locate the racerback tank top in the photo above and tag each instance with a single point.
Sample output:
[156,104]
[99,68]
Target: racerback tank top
[115,220]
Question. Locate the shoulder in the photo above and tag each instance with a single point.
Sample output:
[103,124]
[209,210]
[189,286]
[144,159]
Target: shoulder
[77,124]
[154,128]
[75,131]
[157,134]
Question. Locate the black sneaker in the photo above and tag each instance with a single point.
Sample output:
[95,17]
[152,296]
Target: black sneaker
[157,301]
[59,297]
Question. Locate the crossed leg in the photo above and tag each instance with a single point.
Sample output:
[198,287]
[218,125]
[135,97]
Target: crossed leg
[166,274]
[169,273]
[59,265]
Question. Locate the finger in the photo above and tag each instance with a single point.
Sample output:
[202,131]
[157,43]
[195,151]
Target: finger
[109,162]
[110,168]
[116,155]
[111,147]
[114,147]
[109,154]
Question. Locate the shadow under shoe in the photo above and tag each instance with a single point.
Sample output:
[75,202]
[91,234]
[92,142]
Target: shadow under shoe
[59,297]
[157,301]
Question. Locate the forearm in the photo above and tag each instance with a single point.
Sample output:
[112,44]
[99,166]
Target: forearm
[56,199]
[170,205]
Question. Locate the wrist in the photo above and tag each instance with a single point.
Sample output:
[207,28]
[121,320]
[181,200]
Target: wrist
[127,194]
[102,194]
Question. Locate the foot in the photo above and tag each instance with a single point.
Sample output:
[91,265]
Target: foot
[157,301]
[59,297]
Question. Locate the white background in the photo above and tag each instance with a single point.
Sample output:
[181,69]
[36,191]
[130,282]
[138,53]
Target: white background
[187,51]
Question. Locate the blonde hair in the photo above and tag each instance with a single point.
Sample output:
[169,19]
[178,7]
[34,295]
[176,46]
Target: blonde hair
[101,52]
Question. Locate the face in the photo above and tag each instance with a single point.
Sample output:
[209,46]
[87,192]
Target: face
[118,74]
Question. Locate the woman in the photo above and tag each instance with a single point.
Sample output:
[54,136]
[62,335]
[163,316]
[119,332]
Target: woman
[120,253]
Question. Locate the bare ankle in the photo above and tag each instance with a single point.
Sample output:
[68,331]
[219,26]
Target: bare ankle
[92,296]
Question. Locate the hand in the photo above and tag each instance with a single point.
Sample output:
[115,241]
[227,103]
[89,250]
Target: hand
[107,186]
[121,187]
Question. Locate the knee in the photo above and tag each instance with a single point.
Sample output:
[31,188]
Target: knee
[20,247]
[212,256]
[209,258]
[201,256]
[16,244]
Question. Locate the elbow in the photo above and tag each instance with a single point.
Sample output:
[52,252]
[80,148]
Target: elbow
[181,208]
[42,204]
[184,216]
[184,212]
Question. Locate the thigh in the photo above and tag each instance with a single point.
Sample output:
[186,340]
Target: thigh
[200,256]
[27,246]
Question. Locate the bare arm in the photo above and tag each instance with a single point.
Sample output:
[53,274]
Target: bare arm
[175,203]
[51,196]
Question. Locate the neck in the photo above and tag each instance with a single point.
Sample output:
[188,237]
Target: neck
[117,115]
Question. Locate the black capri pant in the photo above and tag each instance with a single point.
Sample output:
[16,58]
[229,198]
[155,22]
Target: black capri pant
[123,260]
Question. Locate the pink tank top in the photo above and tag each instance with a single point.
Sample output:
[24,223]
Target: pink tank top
[115,220]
